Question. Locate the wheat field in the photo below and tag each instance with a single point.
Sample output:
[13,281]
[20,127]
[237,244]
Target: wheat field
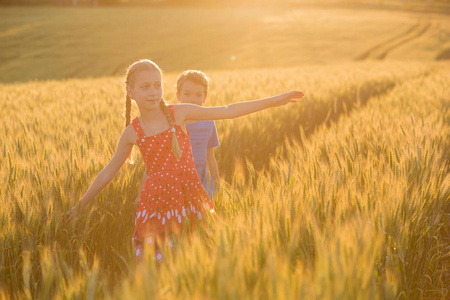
[344,195]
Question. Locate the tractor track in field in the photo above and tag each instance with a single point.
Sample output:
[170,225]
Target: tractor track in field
[382,50]
[328,113]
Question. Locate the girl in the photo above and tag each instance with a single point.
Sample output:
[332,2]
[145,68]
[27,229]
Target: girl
[173,193]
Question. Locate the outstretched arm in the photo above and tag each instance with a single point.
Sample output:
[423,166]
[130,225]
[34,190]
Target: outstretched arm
[107,174]
[186,112]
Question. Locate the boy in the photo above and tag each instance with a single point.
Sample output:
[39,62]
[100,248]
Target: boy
[192,87]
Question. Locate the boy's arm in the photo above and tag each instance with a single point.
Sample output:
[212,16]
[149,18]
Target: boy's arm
[144,177]
[213,168]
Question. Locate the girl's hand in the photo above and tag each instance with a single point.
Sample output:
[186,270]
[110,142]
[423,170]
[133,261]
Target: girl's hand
[286,98]
[71,214]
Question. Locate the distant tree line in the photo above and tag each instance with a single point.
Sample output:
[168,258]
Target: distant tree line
[206,2]
[145,2]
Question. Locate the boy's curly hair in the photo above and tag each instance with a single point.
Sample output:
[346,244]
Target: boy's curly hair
[195,76]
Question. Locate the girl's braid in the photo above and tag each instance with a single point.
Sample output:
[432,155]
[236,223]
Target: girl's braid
[127,99]
[128,115]
[175,146]
[127,111]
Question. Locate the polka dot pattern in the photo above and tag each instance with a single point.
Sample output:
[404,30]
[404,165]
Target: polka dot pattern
[172,193]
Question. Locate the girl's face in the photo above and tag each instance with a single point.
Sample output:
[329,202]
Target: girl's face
[192,92]
[147,89]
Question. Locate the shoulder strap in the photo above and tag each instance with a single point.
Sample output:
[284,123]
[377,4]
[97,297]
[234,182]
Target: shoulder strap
[170,107]
[137,128]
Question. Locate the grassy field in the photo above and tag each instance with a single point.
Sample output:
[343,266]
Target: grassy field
[344,195]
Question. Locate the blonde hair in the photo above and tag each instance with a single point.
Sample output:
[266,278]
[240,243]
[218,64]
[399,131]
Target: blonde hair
[146,64]
[195,76]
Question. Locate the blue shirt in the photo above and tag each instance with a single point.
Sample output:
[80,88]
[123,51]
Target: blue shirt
[203,135]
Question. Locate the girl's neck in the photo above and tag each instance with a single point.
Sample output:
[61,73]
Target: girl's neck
[152,114]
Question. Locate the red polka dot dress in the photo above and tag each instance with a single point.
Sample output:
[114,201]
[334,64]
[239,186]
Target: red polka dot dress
[171,194]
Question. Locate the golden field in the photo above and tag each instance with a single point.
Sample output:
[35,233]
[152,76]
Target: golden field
[344,195]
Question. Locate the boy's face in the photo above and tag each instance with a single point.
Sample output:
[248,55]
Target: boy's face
[192,92]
